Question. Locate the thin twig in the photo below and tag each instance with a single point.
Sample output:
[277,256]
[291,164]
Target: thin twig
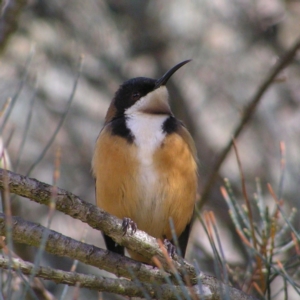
[248,113]
[223,260]
[12,103]
[282,169]
[8,222]
[61,121]
[250,216]
[73,269]
[51,212]
[26,129]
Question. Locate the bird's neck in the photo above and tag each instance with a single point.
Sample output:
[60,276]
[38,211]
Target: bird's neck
[146,126]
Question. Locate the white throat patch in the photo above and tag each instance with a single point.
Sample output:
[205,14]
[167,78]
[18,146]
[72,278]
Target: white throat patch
[148,134]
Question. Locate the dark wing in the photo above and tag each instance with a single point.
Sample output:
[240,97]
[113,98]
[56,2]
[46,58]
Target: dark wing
[183,239]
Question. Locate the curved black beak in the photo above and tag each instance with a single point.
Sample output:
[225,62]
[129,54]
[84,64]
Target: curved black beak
[164,79]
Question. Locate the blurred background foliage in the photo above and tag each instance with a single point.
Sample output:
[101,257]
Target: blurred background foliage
[233,44]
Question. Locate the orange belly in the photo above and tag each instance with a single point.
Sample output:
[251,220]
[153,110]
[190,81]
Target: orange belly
[148,194]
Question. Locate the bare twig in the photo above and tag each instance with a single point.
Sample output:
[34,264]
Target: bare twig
[251,220]
[51,212]
[8,221]
[26,129]
[248,112]
[61,121]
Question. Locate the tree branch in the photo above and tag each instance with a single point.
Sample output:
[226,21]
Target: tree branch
[97,218]
[99,283]
[210,289]
[58,244]
[31,234]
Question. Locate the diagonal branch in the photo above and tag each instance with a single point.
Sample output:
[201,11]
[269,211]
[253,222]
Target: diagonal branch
[210,289]
[248,113]
[31,234]
[99,283]
[121,286]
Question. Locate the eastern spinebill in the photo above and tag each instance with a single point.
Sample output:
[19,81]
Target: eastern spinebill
[145,163]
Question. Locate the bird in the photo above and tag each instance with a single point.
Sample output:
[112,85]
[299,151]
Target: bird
[145,163]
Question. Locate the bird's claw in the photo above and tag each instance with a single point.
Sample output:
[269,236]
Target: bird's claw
[128,224]
[171,249]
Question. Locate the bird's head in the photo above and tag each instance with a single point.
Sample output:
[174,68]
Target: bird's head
[141,94]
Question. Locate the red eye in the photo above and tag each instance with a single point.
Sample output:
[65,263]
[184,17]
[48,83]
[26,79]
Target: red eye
[136,96]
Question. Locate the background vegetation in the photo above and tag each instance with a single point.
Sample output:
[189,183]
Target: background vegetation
[233,44]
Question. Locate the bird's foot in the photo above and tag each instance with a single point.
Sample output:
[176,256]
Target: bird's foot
[171,249]
[128,224]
